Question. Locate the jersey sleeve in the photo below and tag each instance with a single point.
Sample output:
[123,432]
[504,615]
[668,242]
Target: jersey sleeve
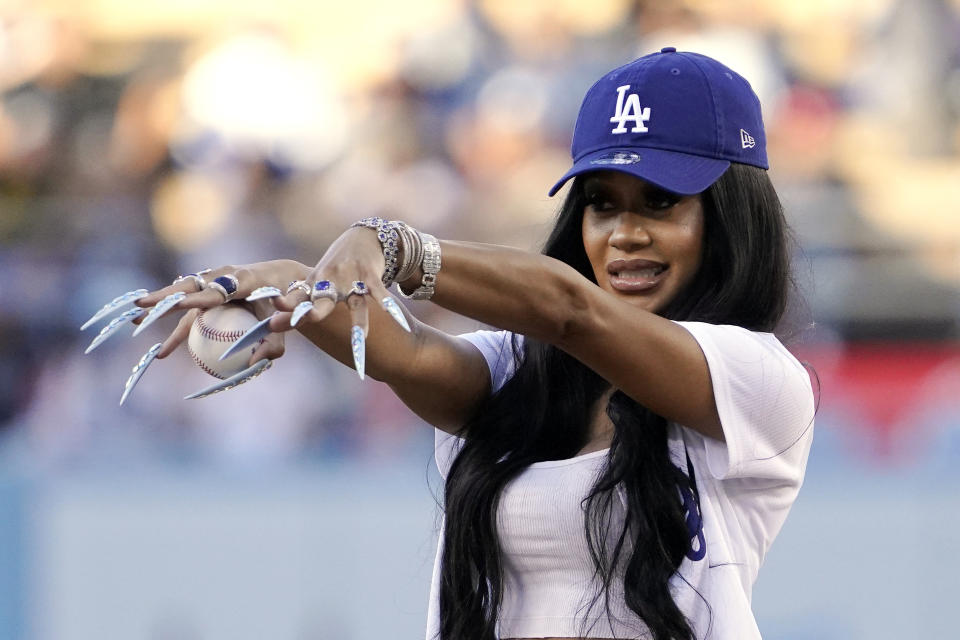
[765,402]
[497,350]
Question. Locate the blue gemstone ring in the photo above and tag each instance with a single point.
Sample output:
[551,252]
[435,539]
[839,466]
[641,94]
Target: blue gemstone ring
[358,289]
[324,289]
[226,285]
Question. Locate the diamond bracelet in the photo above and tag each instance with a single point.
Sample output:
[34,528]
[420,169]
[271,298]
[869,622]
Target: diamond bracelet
[387,235]
[430,266]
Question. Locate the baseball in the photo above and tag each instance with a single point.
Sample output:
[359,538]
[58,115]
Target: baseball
[213,331]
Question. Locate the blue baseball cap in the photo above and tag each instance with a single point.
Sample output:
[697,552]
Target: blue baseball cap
[675,119]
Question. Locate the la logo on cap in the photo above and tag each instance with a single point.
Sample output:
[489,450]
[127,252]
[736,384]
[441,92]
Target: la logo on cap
[628,112]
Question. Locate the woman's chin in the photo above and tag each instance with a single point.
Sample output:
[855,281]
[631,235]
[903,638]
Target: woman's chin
[650,300]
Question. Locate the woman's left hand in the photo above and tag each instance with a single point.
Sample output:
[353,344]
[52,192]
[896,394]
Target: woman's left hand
[350,271]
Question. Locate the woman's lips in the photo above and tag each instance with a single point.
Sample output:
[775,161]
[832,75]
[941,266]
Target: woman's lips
[636,275]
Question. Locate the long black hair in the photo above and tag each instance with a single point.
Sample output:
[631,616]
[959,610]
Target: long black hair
[543,413]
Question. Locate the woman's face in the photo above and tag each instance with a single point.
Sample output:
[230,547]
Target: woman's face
[645,244]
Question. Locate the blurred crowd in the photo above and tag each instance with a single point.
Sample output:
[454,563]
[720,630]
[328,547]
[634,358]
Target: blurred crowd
[141,140]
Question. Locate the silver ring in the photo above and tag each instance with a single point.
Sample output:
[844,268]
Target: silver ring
[358,289]
[324,289]
[226,285]
[196,277]
[299,284]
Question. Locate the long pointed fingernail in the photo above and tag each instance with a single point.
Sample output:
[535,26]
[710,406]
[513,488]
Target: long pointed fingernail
[393,309]
[253,335]
[116,303]
[358,346]
[114,326]
[263,292]
[299,311]
[162,307]
[237,379]
[138,370]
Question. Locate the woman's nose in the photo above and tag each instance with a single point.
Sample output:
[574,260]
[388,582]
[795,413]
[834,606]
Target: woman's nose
[630,232]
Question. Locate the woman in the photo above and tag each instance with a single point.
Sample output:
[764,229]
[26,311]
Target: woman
[620,456]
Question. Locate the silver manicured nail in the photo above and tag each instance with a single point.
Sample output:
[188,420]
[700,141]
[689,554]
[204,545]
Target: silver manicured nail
[254,334]
[237,379]
[395,312]
[116,303]
[299,311]
[138,370]
[263,292]
[358,346]
[115,325]
[162,307]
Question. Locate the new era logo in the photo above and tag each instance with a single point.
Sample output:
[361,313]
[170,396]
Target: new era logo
[746,140]
[619,157]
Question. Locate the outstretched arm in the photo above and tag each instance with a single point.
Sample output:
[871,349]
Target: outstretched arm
[443,378]
[653,360]
[439,376]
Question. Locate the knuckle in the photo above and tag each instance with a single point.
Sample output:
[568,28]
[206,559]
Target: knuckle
[335,271]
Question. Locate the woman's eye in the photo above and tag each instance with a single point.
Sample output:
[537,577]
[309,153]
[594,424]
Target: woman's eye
[598,202]
[659,201]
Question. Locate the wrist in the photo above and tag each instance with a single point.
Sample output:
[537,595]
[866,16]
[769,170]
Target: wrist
[427,267]
[388,239]
[411,258]
[408,286]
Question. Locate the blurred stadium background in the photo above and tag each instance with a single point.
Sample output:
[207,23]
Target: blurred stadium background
[139,140]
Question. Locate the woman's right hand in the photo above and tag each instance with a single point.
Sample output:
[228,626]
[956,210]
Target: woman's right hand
[350,271]
[194,293]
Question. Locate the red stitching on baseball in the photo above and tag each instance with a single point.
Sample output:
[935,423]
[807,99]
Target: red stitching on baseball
[215,334]
[203,366]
